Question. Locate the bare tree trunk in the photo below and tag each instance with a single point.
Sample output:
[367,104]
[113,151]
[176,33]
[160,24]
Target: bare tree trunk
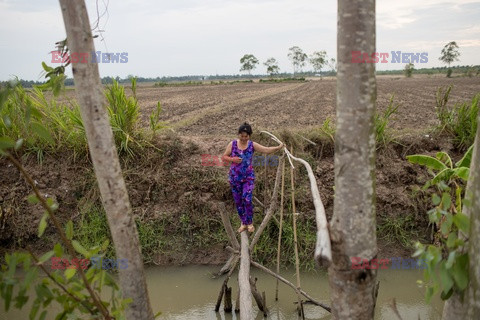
[469,307]
[353,230]
[105,160]
[473,194]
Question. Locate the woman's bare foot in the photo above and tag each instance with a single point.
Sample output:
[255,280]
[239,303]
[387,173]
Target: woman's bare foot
[242,228]
[250,228]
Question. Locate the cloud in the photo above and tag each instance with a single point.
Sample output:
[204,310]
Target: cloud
[210,36]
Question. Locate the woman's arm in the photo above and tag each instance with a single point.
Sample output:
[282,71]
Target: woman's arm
[226,155]
[258,147]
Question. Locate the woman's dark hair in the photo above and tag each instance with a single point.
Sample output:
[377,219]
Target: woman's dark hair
[245,127]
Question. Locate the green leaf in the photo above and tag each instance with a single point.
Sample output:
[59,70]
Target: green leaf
[445,158]
[460,272]
[427,161]
[46,256]
[428,294]
[436,199]
[32,199]
[446,201]
[69,230]
[43,225]
[462,173]
[443,175]
[34,310]
[43,315]
[445,228]
[445,278]
[29,277]
[451,259]
[52,204]
[42,132]
[69,273]
[462,222]
[6,143]
[46,68]
[419,250]
[8,296]
[21,299]
[447,295]
[80,249]
[467,158]
[58,249]
[451,240]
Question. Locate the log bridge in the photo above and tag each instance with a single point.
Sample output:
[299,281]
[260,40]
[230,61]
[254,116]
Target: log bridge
[240,252]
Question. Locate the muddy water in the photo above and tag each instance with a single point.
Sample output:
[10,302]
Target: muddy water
[190,293]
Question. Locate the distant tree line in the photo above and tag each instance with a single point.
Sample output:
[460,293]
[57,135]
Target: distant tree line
[297,57]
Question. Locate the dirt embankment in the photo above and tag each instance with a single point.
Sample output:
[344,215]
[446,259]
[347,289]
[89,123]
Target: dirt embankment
[171,190]
[174,197]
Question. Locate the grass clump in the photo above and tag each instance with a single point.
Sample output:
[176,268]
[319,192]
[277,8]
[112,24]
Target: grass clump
[459,120]
[383,134]
[48,125]
[398,230]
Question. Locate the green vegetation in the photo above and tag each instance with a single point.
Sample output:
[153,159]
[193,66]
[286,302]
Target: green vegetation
[272,66]
[76,289]
[383,134]
[47,125]
[450,54]
[400,229]
[298,58]
[461,71]
[318,60]
[446,260]
[248,62]
[409,70]
[459,120]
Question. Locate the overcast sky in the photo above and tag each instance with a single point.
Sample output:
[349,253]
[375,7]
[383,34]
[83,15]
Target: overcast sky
[208,37]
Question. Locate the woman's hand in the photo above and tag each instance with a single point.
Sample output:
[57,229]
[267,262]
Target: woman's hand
[280,146]
[236,159]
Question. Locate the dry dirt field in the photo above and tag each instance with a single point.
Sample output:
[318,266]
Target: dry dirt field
[216,110]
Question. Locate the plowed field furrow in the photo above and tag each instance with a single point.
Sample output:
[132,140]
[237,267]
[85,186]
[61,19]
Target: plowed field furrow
[234,106]
[220,109]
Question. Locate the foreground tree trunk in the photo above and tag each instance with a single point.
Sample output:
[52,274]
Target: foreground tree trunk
[469,306]
[353,229]
[473,195]
[105,160]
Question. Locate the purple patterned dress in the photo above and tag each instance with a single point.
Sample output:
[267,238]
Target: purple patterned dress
[242,179]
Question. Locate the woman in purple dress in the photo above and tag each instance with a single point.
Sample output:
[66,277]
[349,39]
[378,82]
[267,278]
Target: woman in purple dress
[241,176]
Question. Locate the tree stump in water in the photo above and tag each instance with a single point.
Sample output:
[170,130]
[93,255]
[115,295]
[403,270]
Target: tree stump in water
[227,307]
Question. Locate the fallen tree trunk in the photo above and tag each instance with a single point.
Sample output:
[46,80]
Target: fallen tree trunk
[246,312]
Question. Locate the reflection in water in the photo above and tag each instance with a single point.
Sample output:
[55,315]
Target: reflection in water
[190,293]
[185,293]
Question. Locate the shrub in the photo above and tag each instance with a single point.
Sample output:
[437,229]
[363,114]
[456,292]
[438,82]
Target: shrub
[460,121]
